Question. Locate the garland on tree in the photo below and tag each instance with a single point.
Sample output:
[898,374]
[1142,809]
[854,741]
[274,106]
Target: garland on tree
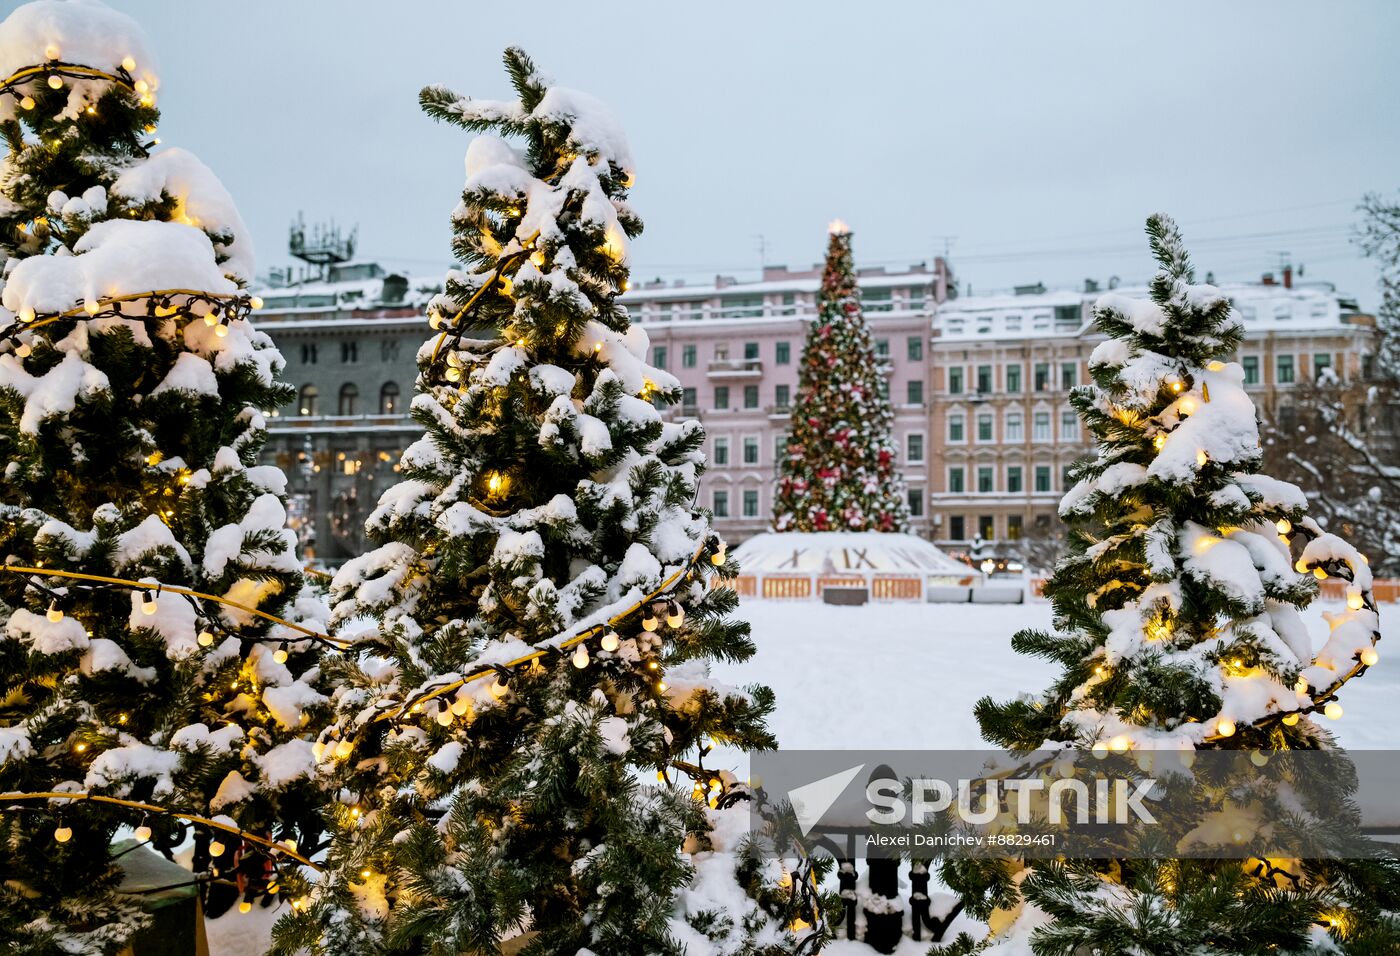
[538,618]
[156,654]
[839,471]
[1178,629]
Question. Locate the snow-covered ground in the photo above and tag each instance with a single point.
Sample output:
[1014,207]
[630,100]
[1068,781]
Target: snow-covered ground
[905,676]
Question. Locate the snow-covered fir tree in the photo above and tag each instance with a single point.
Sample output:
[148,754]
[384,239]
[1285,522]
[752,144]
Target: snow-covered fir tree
[131,393]
[1178,629]
[839,472]
[520,751]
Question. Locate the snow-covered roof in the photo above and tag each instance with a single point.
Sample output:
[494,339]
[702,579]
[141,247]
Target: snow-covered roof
[803,282]
[840,552]
[360,292]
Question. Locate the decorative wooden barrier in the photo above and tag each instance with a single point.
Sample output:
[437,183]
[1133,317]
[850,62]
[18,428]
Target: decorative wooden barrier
[896,587]
[839,581]
[784,587]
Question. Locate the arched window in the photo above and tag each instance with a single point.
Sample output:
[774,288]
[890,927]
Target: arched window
[307,402]
[349,397]
[389,399]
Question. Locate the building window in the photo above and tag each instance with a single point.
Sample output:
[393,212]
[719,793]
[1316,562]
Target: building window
[1251,369]
[1015,427]
[1040,426]
[688,356]
[1013,479]
[1069,426]
[1069,371]
[750,396]
[882,385]
[882,348]
[658,356]
[1042,478]
[955,380]
[782,396]
[1015,527]
[1321,362]
[780,447]
[690,400]
[915,448]
[350,351]
[721,450]
[750,351]
[986,480]
[1285,370]
[349,398]
[308,353]
[916,502]
[956,531]
[1042,376]
[721,503]
[955,428]
[914,348]
[721,397]
[984,379]
[750,502]
[915,391]
[984,426]
[782,353]
[389,398]
[751,449]
[1013,378]
[307,400]
[987,527]
[955,483]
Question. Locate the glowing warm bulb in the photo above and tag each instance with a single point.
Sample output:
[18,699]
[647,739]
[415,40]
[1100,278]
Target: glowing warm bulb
[1369,657]
[255,302]
[143,833]
[55,82]
[27,103]
[1333,711]
[1201,459]
[91,306]
[661,686]
[1283,525]
[148,100]
[221,330]
[245,907]
[280,655]
[63,834]
[580,657]
[1176,385]
[1226,728]
[1355,600]
[1100,749]
[444,717]
[676,617]
[1301,566]
[52,51]
[217,848]
[1319,573]
[718,557]
[344,749]
[142,86]
[650,621]
[610,641]
[460,706]
[26,314]
[1290,720]
[495,483]
[1187,406]
[454,374]
[498,689]
[1120,743]
[1159,441]
[206,638]
[55,613]
[366,874]
[148,603]
[537,257]
[128,64]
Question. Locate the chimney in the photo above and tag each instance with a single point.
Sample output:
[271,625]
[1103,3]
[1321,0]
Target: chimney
[1288,277]
[1268,279]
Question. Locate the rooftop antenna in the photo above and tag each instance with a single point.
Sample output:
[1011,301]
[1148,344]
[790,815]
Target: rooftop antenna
[322,245]
[947,244]
[762,250]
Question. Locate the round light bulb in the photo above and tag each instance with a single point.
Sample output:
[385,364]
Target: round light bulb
[1290,720]
[661,686]
[217,849]
[1283,525]
[610,641]
[128,64]
[63,834]
[1333,711]
[221,330]
[1355,600]
[1301,566]
[1369,657]
[52,51]
[90,306]
[280,655]
[206,638]
[55,613]
[1120,743]
[142,86]
[460,706]
[148,603]
[580,657]
[444,717]
[26,314]
[55,82]
[245,907]
[677,616]
[1226,728]
[23,350]
[255,302]
[717,558]
[650,622]
[143,833]
[1100,749]
[27,103]
[1320,573]
[344,749]
[498,689]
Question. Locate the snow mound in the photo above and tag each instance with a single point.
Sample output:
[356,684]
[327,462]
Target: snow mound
[845,552]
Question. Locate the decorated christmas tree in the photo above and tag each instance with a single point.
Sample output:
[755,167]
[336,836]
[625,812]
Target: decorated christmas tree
[520,753]
[839,471]
[157,654]
[1178,630]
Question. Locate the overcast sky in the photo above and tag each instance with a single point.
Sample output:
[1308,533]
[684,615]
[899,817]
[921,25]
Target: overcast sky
[1032,138]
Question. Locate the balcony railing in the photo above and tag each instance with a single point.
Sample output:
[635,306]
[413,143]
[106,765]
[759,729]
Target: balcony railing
[279,423]
[735,368]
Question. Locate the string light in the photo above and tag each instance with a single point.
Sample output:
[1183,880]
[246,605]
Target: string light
[677,615]
[649,620]
[1283,525]
[1355,601]
[217,848]
[205,639]
[148,602]
[1369,656]
[1290,719]
[580,657]
[1333,711]
[128,64]
[280,655]
[1225,728]
[143,832]
[610,641]
[62,833]
[245,907]
[27,103]
[1201,458]
[55,82]
[55,612]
